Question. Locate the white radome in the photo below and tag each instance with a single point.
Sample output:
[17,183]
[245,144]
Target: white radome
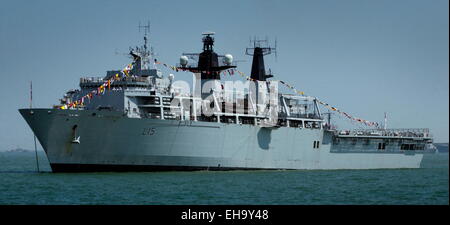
[228,59]
[184,60]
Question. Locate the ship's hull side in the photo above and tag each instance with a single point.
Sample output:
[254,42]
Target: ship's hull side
[109,141]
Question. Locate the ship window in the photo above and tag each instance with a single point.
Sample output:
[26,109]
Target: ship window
[315,144]
[407,147]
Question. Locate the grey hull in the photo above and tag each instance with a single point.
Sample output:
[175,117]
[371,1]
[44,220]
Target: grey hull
[109,141]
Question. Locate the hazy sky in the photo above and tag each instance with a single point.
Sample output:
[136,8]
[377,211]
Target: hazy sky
[364,57]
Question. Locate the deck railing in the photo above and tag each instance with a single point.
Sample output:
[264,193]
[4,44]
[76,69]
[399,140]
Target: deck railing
[404,132]
[85,80]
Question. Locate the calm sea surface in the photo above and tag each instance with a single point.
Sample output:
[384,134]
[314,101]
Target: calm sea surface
[20,184]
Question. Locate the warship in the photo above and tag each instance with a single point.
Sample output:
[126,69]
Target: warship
[139,119]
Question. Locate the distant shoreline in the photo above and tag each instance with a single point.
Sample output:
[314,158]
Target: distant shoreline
[17,150]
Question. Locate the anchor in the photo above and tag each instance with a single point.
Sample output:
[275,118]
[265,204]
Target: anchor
[76,140]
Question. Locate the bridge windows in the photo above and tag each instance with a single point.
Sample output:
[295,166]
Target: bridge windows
[408,147]
[295,123]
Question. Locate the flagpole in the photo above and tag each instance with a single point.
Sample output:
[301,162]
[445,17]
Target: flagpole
[35,145]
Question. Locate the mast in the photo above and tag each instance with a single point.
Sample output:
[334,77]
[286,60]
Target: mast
[258,73]
[208,58]
[210,64]
[258,68]
[142,55]
[328,119]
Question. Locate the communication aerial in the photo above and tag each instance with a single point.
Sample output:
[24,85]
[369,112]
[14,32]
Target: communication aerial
[146,29]
[258,51]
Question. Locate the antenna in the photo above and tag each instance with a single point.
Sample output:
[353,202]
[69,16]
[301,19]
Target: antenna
[146,31]
[142,56]
[117,52]
[258,51]
[31,94]
[276,55]
[31,106]
[259,43]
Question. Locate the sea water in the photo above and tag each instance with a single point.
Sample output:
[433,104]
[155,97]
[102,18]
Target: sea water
[21,184]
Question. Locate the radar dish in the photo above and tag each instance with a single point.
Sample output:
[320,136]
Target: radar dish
[208,33]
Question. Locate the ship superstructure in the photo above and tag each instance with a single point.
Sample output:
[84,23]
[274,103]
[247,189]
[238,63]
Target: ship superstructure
[138,119]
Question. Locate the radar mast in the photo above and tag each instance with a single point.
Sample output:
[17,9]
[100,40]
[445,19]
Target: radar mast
[142,55]
[208,63]
[260,49]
